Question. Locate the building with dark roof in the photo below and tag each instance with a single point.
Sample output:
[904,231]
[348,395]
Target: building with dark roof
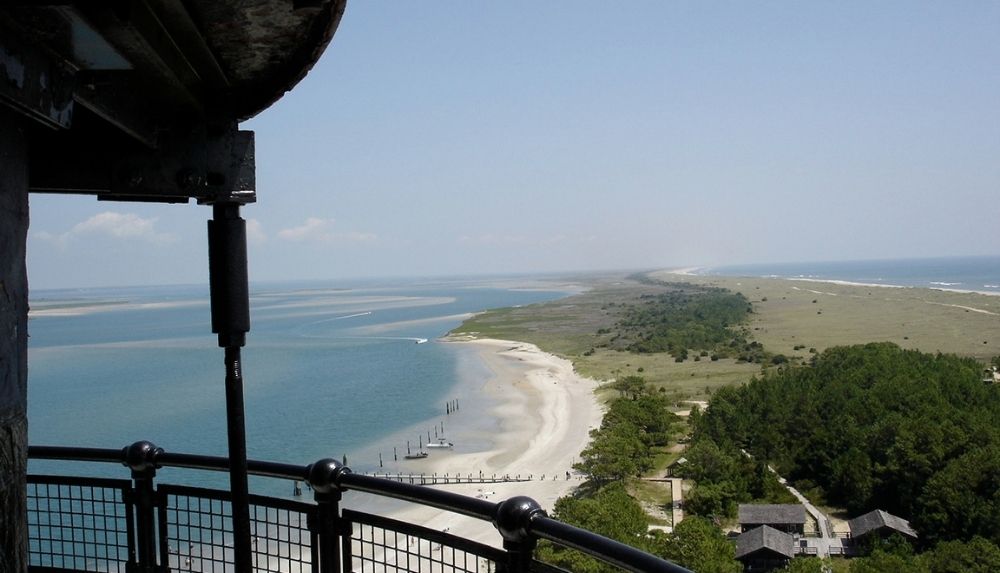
[764,548]
[790,518]
[880,523]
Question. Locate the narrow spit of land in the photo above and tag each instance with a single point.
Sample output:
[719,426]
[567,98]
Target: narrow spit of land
[546,391]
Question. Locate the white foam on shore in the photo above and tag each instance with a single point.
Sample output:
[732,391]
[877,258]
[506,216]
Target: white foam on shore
[883,285]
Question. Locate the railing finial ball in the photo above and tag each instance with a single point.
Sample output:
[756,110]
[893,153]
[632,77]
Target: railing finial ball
[141,456]
[324,475]
[513,517]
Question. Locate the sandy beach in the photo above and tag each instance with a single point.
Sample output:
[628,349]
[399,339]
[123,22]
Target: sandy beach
[545,411]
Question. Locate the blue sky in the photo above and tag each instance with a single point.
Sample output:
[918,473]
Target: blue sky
[457,137]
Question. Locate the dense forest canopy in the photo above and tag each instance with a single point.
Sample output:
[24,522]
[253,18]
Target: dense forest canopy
[685,318]
[876,427]
[862,427]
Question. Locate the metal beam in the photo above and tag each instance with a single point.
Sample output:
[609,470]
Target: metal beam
[207,167]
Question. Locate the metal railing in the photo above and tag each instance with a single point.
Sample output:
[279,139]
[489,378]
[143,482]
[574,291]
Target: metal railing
[138,526]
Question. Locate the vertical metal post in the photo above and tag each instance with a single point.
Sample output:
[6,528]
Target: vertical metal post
[323,477]
[513,521]
[230,291]
[141,458]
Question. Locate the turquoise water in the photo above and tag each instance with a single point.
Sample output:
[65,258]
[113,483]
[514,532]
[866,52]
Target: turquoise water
[329,370]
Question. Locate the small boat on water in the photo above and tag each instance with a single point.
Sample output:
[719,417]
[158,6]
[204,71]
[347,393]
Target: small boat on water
[416,456]
[441,444]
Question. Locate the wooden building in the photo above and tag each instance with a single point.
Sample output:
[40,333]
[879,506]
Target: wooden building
[789,518]
[880,524]
[764,548]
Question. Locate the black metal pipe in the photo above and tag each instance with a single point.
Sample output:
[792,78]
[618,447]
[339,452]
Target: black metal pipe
[228,277]
[169,460]
[450,501]
[238,482]
[230,294]
[74,454]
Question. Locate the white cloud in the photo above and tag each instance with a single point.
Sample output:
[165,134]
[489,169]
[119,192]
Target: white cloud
[124,226]
[255,233]
[316,230]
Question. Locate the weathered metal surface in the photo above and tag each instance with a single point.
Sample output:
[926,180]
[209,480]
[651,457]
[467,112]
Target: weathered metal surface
[266,47]
[196,59]
[13,346]
[34,84]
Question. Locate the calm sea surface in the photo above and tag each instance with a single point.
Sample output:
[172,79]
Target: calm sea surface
[329,371]
[961,273]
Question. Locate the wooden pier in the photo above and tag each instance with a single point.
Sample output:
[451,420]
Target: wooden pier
[444,479]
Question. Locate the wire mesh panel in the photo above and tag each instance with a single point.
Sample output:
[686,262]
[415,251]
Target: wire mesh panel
[82,524]
[379,544]
[196,527]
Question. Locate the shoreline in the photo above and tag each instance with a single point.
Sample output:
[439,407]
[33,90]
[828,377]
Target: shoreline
[544,412]
[692,272]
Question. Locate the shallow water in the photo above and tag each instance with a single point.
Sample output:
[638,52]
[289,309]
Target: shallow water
[329,371]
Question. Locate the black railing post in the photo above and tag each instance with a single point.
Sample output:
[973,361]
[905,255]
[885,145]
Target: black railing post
[324,477]
[513,520]
[140,457]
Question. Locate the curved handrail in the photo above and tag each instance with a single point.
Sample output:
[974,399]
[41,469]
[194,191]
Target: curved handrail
[517,518]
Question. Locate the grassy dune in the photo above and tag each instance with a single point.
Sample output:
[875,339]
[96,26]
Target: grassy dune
[787,314]
[568,327]
[930,320]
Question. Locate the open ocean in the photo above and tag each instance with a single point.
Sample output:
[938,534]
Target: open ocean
[980,274]
[330,370]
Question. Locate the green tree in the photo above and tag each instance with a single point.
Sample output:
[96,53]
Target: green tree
[700,546]
[614,453]
[806,565]
[631,386]
[713,499]
[975,556]
[610,512]
[883,562]
[963,499]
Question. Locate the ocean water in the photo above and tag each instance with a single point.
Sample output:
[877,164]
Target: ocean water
[330,370]
[980,274]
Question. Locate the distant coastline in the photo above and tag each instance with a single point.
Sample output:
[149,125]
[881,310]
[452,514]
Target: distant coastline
[979,274]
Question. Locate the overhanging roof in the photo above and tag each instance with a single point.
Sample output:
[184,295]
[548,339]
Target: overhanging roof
[878,519]
[765,538]
[780,514]
[104,81]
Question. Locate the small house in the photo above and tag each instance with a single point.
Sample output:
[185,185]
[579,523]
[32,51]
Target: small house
[764,548]
[880,523]
[790,518]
